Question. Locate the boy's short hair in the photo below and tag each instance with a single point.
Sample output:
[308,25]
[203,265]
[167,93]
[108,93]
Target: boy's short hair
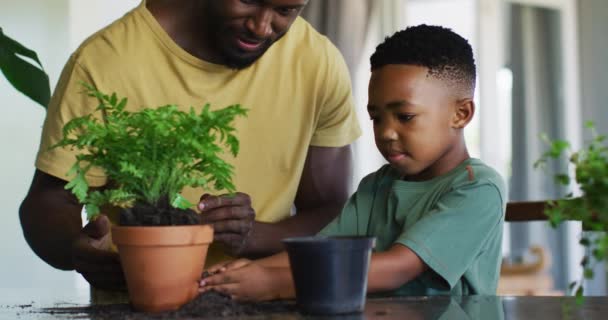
[447,55]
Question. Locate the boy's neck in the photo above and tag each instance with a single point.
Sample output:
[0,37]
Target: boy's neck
[446,163]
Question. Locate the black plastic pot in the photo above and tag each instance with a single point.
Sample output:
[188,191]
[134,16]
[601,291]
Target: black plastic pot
[330,274]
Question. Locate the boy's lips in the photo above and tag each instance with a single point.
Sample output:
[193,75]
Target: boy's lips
[395,156]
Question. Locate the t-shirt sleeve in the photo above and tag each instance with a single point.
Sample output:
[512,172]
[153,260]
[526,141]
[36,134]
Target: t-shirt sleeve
[454,233]
[68,102]
[345,224]
[355,216]
[337,125]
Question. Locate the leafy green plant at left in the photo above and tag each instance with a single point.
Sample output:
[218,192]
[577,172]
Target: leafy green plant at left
[150,155]
[28,78]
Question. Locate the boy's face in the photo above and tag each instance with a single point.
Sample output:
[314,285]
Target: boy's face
[418,121]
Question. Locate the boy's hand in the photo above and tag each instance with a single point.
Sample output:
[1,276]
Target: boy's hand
[226,266]
[94,259]
[232,218]
[251,282]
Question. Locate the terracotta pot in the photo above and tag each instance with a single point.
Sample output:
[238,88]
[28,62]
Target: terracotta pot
[162,265]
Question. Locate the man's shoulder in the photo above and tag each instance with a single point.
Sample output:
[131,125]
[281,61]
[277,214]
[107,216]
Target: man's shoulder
[303,32]
[303,38]
[104,47]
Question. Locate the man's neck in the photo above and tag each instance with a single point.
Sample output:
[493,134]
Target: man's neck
[184,26]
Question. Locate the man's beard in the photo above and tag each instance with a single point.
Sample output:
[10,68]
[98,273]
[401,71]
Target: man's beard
[230,55]
[236,60]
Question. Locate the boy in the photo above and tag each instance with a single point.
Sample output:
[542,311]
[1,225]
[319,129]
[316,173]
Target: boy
[437,214]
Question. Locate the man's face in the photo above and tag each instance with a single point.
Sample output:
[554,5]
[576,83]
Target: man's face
[242,30]
[413,119]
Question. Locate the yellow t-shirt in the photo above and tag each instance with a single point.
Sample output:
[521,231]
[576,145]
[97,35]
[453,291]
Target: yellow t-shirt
[298,95]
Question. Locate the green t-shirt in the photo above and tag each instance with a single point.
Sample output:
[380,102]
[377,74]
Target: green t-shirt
[453,223]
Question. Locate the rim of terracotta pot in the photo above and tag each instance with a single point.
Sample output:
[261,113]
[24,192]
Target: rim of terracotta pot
[162,235]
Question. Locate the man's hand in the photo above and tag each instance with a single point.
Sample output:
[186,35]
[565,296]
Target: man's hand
[251,282]
[232,218]
[93,258]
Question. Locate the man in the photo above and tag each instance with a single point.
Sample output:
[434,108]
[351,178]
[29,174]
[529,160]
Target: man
[260,54]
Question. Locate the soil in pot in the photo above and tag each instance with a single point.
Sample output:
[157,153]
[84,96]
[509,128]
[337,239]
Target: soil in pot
[160,215]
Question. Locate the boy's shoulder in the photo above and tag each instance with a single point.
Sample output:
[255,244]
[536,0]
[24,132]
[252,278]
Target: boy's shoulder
[469,171]
[473,173]
[383,175]
[476,171]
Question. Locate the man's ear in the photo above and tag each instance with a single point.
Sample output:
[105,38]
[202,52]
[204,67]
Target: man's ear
[464,111]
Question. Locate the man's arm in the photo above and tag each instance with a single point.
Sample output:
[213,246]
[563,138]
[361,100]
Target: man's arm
[322,192]
[50,218]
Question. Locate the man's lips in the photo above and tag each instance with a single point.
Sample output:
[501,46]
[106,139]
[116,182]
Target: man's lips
[249,45]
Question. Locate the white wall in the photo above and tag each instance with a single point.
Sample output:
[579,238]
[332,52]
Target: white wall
[40,25]
[53,29]
[87,16]
[594,96]
[594,61]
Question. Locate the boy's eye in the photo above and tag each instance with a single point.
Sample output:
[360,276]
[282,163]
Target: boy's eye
[249,1]
[405,117]
[374,118]
[286,11]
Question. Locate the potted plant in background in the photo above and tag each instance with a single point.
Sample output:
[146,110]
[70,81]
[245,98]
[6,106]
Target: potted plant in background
[590,165]
[149,156]
[29,79]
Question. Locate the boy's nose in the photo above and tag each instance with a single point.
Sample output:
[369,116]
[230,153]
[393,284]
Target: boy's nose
[389,134]
[261,24]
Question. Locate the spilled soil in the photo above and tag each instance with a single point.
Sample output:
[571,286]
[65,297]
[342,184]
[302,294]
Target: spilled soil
[209,305]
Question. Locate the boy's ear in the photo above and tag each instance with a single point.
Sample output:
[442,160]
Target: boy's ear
[465,109]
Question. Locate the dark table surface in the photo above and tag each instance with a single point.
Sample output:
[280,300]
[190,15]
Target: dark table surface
[30,303]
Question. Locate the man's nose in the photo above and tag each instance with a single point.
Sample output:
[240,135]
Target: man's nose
[261,24]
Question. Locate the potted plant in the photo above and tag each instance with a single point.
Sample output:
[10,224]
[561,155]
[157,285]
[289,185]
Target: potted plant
[590,165]
[30,79]
[149,156]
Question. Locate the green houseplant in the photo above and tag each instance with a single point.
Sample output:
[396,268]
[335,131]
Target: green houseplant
[149,156]
[590,165]
[30,79]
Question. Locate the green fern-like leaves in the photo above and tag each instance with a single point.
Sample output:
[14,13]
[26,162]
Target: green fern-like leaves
[591,175]
[150,154]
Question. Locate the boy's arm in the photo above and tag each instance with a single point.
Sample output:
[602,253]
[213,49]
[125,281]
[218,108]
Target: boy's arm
[252,282]
[279,260]
[388,270]
[271,278]
[391,269]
